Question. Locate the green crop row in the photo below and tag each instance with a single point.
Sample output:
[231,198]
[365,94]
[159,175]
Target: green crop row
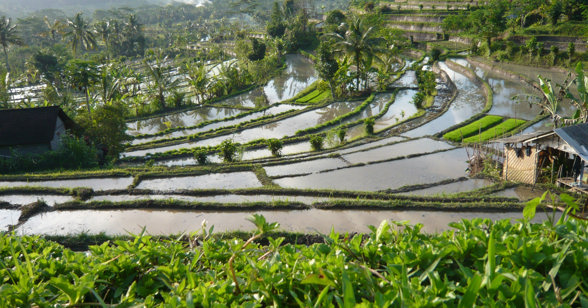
[473,128]
[324,95]
[496,131]
[309,96]
[478,263]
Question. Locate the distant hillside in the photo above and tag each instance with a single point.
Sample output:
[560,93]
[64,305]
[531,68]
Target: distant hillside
[19,8]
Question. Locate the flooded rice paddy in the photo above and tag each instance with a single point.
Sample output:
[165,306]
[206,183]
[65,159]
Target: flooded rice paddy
[50,200]
[278,129]
[7,218]
[94,183]
[470,100]
[120,222]
[389,163]
[388,175]
[180,119]
[208,181]
[274,110]
[451,188]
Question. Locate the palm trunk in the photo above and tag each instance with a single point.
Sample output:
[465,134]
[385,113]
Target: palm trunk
[6,59]
[88,103]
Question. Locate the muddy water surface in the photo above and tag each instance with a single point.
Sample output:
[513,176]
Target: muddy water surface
[312,166]
[522,193]
[401,109]
[419,170]
[217,198]
[397,150]
[231,180]
[94,183]
[175,222]
[457,187]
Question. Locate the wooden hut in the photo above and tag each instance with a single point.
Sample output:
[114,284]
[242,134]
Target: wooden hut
[565,149]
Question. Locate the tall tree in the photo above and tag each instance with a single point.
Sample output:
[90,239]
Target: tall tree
[54,29]
[360,43]
[8,37]
[81,76]
[79,34]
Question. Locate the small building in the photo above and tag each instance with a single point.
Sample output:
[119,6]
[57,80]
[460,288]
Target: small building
[565,149]
[32,130]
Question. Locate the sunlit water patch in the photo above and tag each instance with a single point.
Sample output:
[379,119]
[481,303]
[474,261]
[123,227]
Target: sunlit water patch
[8,217]
[401,109]
[215,199]
[305,167]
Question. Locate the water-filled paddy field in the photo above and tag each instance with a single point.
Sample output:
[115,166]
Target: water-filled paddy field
[406,161]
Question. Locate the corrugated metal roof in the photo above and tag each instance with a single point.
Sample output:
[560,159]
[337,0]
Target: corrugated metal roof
[577,137]
[524,137]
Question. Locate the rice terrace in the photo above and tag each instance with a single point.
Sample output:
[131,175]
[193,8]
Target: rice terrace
[208,153]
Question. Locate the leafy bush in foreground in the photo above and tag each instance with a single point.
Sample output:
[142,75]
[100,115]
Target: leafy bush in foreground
[481,262]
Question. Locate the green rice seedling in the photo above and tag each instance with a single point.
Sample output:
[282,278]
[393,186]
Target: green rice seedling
[496,131]
[316,142]
[369,126]
[473,128]
[275,146]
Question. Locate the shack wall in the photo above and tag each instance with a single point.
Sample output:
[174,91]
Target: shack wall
[521,165]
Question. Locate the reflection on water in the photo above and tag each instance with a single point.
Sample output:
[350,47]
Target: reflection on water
[299,74]
[231,180]
[94,183]
[279,129]
[180,119]
[274,110]
[379,176]
[117,222]
[401,109]
[470,100]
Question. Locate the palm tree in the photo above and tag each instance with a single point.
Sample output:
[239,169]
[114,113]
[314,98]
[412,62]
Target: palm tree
[104,30]
[53,29]
[8,37]
[160,80]
[359,43]
[79,33]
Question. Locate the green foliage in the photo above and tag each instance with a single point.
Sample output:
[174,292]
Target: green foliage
[369,126]
[73,153]
[341,132]
[479,263]
[275,146]
[257,50]
[107,128]
[316,142]
[473,128]
[496,131]
[201,156]
[229,151]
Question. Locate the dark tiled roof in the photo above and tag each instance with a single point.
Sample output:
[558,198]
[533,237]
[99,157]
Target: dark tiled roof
[577,137]
[31,125]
